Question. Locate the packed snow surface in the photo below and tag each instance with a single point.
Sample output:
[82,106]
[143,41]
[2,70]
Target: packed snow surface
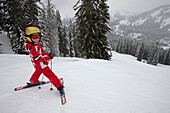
[122,85]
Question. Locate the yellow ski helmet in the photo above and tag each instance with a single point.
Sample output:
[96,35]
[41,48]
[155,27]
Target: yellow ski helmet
[30,31]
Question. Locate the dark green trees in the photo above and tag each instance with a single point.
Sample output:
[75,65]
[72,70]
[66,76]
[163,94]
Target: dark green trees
[91,19]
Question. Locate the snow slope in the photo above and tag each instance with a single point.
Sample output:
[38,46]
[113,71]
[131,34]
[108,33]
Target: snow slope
[122,85]
[150,27]
[5,45]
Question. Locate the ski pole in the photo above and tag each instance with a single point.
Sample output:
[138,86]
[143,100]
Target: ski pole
[41,81]
[51,70]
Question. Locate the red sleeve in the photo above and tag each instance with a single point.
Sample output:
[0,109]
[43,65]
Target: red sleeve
[45,54]
[35,54]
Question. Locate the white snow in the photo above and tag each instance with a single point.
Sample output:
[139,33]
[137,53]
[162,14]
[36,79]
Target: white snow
[122,85]
[125,22]
[118,31]
[165,47]
[116,28]
[156,13]
[157,16]
[165,22]
[165,40]
[140,21]
[6,45]
[161,19]
[135,35]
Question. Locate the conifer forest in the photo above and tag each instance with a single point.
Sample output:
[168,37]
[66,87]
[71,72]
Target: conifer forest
[85,36]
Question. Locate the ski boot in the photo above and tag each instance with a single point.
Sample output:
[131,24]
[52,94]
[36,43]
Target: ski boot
[61,90]
[32,84]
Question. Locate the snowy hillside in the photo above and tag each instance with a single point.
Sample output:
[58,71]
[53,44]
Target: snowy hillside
[122,85]
[5,45]
[150,26]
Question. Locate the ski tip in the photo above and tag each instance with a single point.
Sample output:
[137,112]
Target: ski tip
[63,103]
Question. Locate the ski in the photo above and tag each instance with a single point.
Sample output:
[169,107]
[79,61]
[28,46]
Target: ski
[32,85]
[63,97]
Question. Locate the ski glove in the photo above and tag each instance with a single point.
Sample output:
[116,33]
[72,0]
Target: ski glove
[51,55]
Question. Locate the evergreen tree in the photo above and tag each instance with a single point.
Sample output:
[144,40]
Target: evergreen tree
[3,5]
[140,53]
[15,19]
[153,56]
[126,46]
[0,48]
[62,37]
[91,19]
[50,39]
[130,47]
[117,45]
[63,42]
[166,59]
[31,11]
[71,30]
[134,48]
[120,49]
[146,52]
[42,24]
[123,47]
[75,42]
[15,24]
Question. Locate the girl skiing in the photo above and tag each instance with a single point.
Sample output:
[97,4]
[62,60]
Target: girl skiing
[40,58]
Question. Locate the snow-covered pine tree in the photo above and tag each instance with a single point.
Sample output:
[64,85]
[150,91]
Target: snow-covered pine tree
[130,47]
[125,46]
[153,56]
[166,59]
[18,14]
[150,56]
[63,42]
[134,48]
[120,46]
[15,23]
[146,52]
[50,40]
[117,45]
[31,11]
[3,5]
[42,23]
[70,37]
[91,19]
[0,48]
[140,52]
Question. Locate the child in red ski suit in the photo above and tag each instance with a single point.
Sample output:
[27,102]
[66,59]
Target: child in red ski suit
[40,58]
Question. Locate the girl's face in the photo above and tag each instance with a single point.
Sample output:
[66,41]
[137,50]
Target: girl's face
[35,38]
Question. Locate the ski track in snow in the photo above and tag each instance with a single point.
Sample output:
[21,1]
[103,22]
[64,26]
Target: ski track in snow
[122,85]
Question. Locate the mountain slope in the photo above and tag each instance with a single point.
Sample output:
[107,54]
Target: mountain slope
[5,44]
[150,26]
[122,85]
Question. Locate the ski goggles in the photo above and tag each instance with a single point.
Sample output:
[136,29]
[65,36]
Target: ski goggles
[35,36]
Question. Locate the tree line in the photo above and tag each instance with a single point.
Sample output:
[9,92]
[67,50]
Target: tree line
[83,38]
[17,15]
[151,54]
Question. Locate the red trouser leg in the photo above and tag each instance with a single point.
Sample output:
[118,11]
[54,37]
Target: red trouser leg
[35,76]
[52,77]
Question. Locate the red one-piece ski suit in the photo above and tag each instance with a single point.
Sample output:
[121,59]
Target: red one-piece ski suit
[40,59]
